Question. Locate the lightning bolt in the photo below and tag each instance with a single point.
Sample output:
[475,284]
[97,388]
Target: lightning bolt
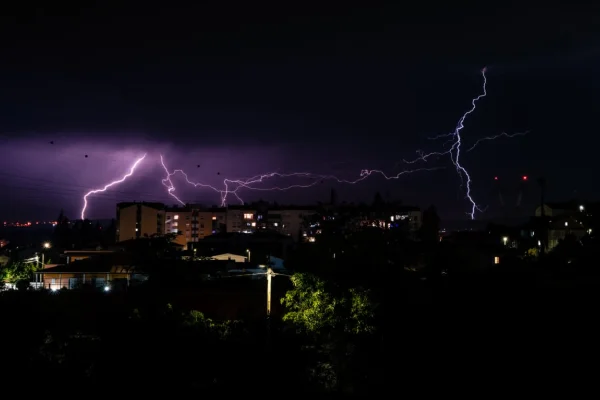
[168,183]
[455,150]
[131,171]
[232,186]
[257,183]
[503,134]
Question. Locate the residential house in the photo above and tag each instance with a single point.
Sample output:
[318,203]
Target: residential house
[104,272]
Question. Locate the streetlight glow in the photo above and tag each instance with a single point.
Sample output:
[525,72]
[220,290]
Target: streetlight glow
[505,239]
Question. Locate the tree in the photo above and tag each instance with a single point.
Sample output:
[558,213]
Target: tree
[18,271]
[317,308]
[378,202]
[336,320]
[430,226]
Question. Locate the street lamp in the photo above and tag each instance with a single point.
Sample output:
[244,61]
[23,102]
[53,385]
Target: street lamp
[581,208]
[46,245]
[505,239]
[248,251]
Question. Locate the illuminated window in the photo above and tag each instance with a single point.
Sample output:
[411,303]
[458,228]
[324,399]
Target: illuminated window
[248,216]
[496,260]
[176,217]
[275,224]
[254,224]
[214,218]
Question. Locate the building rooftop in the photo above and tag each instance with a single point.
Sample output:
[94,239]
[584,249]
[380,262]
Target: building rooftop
[103,265]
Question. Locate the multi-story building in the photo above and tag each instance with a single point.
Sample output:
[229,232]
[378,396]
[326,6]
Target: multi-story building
[289,220]
[406,214]
[178,220]
[194,222]
[351,218]
[206,222]
[286,220]
[242,219]
[139,219]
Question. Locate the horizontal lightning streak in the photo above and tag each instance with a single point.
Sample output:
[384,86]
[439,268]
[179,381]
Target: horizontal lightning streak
[232,186]
[503,134]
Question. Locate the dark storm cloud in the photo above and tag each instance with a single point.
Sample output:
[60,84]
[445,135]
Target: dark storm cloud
[247,91]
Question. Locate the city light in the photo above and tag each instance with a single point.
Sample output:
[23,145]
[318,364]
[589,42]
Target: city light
[106,288]
[505,240]
[47,245]
[524,177]
[581,208]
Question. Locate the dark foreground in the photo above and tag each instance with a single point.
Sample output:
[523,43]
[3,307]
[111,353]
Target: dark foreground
[73,342]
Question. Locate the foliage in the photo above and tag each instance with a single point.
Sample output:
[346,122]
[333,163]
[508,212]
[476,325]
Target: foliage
[315,308]
[337,320]
[533,252]
[18,271]
[198,321]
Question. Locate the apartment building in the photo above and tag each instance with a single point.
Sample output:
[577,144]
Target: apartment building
[289,220]
[410,215]
[241,219]
[178,220]
[139,219]
[193,222]
[206,222]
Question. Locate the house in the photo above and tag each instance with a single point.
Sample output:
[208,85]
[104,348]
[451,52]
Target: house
[76,255]
[104,272]
[229,256]
[560,209]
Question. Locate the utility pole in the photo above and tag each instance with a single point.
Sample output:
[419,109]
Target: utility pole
[269,280]
[542,183]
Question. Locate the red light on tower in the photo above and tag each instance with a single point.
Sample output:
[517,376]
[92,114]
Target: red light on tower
[524,177]
[495,178]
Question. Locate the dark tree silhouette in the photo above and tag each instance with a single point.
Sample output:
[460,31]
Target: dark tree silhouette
[430,226]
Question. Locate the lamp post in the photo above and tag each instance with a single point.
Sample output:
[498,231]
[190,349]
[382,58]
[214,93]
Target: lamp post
[505,240]
[46,245]
[248,252]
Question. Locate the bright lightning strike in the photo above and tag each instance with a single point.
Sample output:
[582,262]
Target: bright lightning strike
[131,171]
[456,141]
[233,186]
[168,183]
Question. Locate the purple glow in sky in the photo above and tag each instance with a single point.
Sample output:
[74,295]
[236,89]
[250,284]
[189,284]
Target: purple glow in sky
[59,169]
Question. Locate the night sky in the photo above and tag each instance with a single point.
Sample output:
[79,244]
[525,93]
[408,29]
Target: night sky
[247,90]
